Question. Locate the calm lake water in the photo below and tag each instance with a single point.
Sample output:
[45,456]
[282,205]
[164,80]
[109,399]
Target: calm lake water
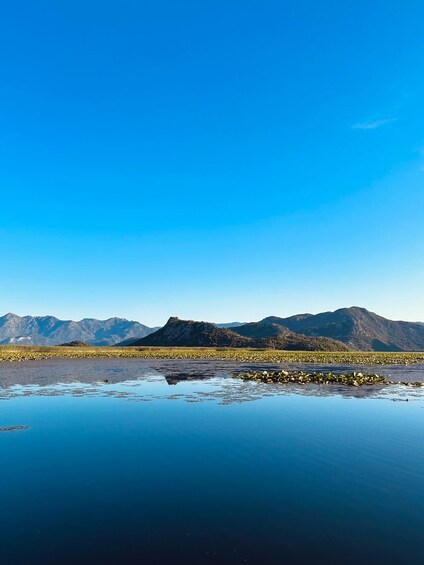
[158,465]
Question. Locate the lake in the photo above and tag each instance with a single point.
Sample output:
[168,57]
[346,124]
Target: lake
[136,461]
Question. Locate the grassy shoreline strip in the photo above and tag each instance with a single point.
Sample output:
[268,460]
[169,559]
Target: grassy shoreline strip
[242,355]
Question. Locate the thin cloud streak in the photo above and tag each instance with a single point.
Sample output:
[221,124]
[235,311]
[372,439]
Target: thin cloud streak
[374,124]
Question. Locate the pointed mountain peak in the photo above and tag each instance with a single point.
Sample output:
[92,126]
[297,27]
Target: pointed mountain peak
[10,316]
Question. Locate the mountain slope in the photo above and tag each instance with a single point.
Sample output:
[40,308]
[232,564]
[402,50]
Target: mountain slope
[356,327]
[291,341]
[260,329]
[187,333]
[48,330]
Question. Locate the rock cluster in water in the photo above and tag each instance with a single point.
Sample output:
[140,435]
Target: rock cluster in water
[302,378]
[13,428]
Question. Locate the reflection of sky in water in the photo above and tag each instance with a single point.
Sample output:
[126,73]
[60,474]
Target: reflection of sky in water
[194,381]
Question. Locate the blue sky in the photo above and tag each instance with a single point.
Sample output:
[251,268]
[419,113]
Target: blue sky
[211,160]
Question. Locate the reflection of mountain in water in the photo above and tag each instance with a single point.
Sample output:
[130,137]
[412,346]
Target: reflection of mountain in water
[175,378]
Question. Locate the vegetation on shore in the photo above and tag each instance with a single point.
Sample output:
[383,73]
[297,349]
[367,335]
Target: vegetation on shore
[243,355]
[322,378]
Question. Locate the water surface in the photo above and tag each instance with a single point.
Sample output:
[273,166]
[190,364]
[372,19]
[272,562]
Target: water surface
[139,469]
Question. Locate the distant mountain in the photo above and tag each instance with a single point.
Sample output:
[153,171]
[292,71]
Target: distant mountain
[230,325]
[356,327]
[48,330]
[188,333]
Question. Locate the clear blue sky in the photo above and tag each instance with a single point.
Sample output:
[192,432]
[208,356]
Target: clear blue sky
[211,160]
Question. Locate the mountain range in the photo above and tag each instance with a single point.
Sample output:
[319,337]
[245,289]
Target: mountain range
[356,328]
[188,333]
[48,330]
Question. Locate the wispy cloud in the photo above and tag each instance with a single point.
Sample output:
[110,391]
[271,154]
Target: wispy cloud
[374,123]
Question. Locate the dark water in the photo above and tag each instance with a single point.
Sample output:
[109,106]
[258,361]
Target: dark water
[137,470]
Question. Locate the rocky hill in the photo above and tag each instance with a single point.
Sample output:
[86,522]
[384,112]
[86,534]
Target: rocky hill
[75,343]
[188,333]
[48,330]
[356,327]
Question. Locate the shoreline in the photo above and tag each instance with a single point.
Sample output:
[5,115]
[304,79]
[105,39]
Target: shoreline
[12,353]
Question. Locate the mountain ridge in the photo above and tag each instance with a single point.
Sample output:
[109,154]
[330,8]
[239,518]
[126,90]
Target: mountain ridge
[190,333]
[357,327]
[49,330]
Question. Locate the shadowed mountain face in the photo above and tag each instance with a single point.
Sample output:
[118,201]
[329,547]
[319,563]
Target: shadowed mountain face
[356,327]
[187,333]
[261,329]
[48,330]
[291,341]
